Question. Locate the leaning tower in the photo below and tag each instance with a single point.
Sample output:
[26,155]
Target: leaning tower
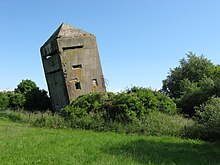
[72,65]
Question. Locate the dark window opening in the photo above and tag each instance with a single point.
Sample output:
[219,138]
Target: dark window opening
[94,82]
[73,47]
[77,83]
[77,66]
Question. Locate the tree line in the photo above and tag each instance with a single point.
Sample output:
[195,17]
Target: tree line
[28,96]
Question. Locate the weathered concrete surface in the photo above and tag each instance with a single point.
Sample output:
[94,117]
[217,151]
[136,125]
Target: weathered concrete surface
[72,65]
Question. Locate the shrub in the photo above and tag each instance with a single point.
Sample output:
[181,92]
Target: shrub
[195,94]
[126,108]
[208,116]
[207,124]
[16,100]
[154,100]
[4,100]
[122,107]
[84,104]
[154,123]
[26,96]
[37,100]
[11,100]
[165,103]
[137,110]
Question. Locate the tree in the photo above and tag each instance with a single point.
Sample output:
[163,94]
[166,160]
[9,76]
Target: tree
[192,83]
[35,99]
[25,86]
[194,69]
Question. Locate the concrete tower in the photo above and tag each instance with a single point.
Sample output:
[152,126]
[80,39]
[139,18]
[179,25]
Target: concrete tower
[72,65]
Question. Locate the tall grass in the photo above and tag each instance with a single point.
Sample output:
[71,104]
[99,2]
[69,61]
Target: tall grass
[155,123]
[37,119]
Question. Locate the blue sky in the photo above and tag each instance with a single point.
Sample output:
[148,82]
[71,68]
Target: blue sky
[139,41]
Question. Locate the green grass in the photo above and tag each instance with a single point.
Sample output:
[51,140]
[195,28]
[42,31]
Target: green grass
[22,144]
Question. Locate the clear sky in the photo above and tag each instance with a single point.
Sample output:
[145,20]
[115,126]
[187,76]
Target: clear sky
[139,40]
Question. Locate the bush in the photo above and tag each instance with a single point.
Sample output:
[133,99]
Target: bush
[154,100]
[207,125]
[11,100]
[37,100]
[26,96]
[34,98]
[126,108]
[129,106]
[4,100]
[208,116]
[84,104]
[136,110]
[154,123]
[16,100]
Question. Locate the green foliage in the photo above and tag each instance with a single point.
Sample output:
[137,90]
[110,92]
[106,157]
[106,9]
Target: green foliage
[84,104]
[209,117]
[146,96]
[194,68]
[37,100]
[4,100]
[192,83]
[195,94]
[46,119]
[128,112]
[11,100]
[28,96]
[16,100]
[154,100]
[25,86]
[207,124]
[125,107]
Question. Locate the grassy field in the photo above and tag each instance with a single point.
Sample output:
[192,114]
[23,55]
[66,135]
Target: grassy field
[22,144]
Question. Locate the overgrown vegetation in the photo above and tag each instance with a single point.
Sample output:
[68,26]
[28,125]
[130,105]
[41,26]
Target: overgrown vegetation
[192,83]
[37,119]
[136,110]
[207,126]
[187,105]
[26,96]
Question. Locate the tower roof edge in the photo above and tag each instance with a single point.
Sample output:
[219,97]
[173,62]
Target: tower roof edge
[67,31]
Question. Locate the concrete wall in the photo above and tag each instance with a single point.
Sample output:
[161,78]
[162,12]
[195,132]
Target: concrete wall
[81,64]
[72,67]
